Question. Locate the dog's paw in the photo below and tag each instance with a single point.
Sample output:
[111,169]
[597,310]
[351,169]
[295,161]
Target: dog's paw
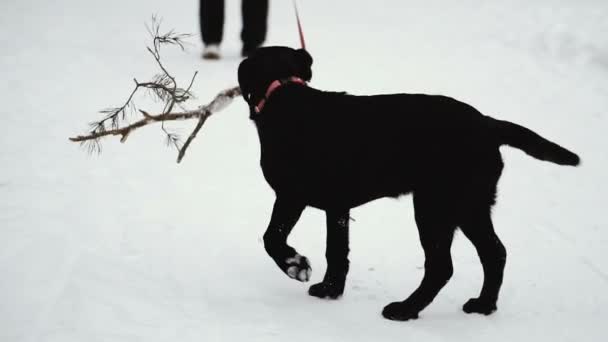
[399,311]
[330,290]
[297,267]
[477,305]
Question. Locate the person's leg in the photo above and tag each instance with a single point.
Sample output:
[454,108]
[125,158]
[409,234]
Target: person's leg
[211,17]
[212,21]
[255,16]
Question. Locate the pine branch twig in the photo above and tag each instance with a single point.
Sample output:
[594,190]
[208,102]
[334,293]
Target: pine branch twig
[222,100]
[165,88]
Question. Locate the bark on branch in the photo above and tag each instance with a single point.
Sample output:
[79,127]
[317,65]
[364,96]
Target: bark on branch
[221,101]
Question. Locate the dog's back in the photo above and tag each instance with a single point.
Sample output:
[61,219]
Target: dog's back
[365,147]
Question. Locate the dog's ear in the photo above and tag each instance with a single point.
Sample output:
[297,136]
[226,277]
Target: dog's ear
[304,57]
[305,63]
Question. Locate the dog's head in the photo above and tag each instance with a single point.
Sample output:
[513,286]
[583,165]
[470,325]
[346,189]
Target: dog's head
[268,64]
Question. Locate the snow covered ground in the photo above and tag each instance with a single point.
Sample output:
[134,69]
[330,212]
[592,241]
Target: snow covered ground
[130,246]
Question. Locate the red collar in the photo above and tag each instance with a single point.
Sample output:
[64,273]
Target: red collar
[274,86]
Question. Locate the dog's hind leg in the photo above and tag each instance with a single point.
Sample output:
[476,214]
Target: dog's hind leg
[336,254]
[285,215]
[478,228]
[436,232]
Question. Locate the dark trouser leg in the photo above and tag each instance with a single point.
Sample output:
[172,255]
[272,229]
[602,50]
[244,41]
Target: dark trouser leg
[493,256]
[336,253]
[285,215]
[255,16]
[211,18]
[436,233]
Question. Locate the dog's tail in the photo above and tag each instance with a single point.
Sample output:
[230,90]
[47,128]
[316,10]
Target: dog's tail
[533,144]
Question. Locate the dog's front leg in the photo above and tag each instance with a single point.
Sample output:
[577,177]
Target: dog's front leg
[336,254]
[285,215]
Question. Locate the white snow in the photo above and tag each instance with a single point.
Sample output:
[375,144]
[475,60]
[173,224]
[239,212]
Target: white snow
[130,246]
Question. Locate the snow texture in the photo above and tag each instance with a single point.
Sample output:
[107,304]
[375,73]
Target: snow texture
[130,246]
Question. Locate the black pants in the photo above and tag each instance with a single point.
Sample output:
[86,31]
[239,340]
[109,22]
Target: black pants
[254,12]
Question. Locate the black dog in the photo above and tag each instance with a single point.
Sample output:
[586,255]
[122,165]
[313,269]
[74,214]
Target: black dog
[335,151]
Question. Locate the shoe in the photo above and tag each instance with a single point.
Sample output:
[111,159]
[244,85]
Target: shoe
[248,49]
[211,51]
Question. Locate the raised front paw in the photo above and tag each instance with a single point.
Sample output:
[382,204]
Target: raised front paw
[297,267]
[478,305]
[324,289]
[399,311]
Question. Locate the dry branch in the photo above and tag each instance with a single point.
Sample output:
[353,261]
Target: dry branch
[220,102]
[165,88]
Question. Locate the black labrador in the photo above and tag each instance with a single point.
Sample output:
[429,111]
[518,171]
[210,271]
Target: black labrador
[335,151]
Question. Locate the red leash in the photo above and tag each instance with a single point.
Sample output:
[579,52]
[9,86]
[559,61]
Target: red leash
[295,7]
[278,83]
